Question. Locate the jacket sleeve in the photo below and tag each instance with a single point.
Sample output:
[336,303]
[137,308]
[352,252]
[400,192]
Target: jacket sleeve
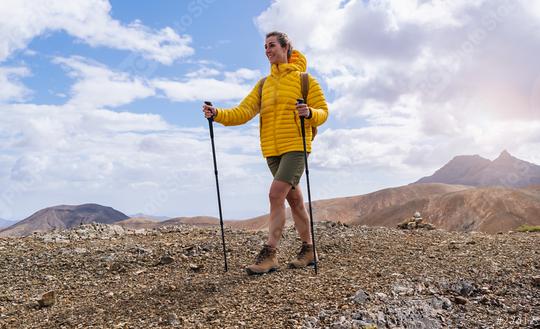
[317,103]
[245,111]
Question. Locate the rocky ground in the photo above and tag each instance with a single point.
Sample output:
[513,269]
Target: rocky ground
[100,276]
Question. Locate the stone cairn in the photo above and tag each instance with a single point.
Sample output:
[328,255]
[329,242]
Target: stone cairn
[415,222]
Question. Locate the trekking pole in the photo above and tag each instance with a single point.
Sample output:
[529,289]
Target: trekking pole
[211,127]
[301,101]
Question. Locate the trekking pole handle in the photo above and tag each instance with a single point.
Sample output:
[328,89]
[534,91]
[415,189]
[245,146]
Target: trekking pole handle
[301,101]
[209,104]
[210,120]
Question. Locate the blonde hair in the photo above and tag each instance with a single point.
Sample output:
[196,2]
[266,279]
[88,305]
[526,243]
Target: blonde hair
[283,40]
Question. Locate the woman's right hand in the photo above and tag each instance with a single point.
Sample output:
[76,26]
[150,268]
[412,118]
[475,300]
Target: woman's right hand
[209,111]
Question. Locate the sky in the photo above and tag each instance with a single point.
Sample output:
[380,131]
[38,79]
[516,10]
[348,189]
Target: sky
[100,101]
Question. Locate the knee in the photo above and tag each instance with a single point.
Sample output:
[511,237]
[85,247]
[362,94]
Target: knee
[295,202]
[276,198]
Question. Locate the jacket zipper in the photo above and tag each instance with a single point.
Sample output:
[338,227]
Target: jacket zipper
[276,87]
[297,124]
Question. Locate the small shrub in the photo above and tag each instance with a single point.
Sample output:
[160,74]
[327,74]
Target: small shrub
[528,228]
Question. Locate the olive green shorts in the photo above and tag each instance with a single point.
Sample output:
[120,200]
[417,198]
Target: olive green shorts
[287,167]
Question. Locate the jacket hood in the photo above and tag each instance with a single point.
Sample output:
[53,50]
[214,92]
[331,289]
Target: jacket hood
[297,62]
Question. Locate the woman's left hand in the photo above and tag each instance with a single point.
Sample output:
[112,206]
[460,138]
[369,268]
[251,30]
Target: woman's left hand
[303,110]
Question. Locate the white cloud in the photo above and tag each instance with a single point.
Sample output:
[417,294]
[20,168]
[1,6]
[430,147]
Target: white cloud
[204,72]
[31,128]
[234,86]
[368,148]
[97,86]
[242,75]
[12,89]
[89,21]
[135,162]
[200,89]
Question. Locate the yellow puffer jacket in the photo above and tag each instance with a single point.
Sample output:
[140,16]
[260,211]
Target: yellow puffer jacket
[280,124]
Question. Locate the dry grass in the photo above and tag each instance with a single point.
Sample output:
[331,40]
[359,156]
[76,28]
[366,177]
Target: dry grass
[528,228]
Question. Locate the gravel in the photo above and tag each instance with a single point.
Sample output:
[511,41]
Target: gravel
[100,276]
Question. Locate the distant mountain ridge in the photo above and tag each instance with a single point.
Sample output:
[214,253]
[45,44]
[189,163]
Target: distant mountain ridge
[151,217]
[148,223]
[357,208]
[473,170]
[469,193]
[62,217]
[450,207]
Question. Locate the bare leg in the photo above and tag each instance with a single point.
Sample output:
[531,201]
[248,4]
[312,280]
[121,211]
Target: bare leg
[299,213]
[277,195]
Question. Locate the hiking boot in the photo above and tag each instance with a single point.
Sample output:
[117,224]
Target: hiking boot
[265,262]
[304,257]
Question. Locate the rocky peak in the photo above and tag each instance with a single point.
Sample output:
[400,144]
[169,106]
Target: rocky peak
[473,170]
[505,156]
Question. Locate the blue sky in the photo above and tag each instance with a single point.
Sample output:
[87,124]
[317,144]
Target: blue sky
[100,100]
[225,41]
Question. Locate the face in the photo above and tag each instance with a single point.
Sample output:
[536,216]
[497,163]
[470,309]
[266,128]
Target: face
[275,53]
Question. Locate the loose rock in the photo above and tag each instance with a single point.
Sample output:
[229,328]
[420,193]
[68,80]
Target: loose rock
[108,279]
[360,297]
[166,259]
[47,299]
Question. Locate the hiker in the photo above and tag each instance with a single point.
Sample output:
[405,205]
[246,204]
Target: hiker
[274,98]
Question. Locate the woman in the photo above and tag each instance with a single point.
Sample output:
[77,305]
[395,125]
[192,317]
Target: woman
[281,142]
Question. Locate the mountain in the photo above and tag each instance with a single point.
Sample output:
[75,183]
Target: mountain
[197,220]
[450,207]
[151,217]
[6,223]
[487,209]
[60,217]
[355,208]
[138,223]
[505,170]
